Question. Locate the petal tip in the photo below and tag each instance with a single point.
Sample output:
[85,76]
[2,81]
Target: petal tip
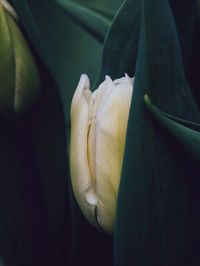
[107,77]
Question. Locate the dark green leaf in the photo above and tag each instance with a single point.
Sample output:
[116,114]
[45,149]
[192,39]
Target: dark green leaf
[109,14]
[157,218]
[186,18]
[186,132]
[49,226]
[95,22]
[189,124]
[121,43]
[34,167]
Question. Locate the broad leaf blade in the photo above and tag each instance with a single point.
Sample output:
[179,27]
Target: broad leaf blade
[184,132]
[97,24]
[43,153]
[63,238]
[189,124]
[121,44]
[156,200]
[186,18]
[109,14]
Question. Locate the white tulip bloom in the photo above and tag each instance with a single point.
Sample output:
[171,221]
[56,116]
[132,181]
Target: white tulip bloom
[98,132]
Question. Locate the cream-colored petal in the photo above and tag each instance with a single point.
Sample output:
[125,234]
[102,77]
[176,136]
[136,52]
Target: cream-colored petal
[83,187]
[125,80]
[98,133]
[101,93]
[111,124]
[97,97]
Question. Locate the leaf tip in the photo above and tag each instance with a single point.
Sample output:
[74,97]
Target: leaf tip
[146,99]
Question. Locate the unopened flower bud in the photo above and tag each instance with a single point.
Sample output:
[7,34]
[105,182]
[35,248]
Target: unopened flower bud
[98,132]
[19,77]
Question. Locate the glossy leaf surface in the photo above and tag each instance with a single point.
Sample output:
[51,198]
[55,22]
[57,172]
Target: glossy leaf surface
[93,21]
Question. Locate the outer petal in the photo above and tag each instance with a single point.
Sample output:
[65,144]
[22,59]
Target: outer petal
[84,188]
[97,97]
[111,124]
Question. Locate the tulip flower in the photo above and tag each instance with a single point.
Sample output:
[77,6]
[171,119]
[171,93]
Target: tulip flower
[98,133]
[19,78]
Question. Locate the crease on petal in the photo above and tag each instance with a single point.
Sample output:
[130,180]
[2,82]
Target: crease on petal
[96,99]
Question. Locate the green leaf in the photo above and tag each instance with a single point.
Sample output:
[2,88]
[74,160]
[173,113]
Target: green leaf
[109,14]
[157,213]
[47,227]
[34,167]
[92,20]
[185,132]
[187,24]
[121,44]
[189,124]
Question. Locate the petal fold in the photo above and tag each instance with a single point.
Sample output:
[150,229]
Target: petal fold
[83,187]
[111,124]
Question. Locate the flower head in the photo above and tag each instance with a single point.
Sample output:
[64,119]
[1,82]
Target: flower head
[98,133]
